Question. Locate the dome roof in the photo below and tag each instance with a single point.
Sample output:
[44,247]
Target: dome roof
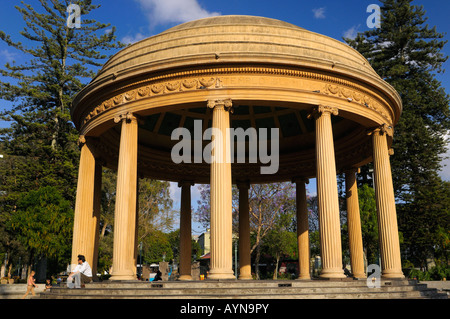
[236,38]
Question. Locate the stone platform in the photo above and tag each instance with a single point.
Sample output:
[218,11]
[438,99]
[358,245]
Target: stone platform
[253,289]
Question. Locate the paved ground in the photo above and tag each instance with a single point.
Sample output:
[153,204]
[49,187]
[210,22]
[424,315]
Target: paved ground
[439,285]
[16,291]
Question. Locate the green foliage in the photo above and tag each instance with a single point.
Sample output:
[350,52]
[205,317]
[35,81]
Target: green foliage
[155,246]
[369,224]
[43,222]
[435,273]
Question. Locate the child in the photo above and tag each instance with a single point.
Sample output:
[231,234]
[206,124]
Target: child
[30,285]
[48,284]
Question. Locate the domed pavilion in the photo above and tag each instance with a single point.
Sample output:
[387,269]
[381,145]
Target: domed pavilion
[316,104]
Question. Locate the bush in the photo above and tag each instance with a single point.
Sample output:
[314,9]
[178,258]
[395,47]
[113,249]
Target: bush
[436,273]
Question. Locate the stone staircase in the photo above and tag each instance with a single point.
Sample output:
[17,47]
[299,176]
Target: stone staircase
[267,289]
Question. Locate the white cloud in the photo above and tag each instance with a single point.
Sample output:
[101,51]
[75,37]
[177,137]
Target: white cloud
[7,56]
[352,32]
[173,11]
[130,39]
[319,13]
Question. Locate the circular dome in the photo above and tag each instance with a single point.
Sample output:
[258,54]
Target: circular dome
[273,71]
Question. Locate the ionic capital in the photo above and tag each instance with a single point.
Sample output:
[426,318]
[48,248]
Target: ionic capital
[225,104]
[81,140]
[351,170]
[243,184]
[300,179]
[128,117]
[185,183]
[323,109]
[382,130]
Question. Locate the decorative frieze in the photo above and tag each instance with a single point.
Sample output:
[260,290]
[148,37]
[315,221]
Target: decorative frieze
[233,77]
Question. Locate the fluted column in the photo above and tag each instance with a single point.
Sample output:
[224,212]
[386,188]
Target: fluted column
[87,213]
[97,211]
[302,229]
[245,272]
[387,216]
[185,231]
[221,205]
[354,225]
[136,229]
[327,195]
[125,210]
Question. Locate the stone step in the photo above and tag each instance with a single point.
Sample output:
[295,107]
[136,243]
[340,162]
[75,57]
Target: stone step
[245,290]
[240,284]
[225,291]
[391,295]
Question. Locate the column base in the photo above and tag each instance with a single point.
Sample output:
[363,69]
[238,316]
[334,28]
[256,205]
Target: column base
[304,278]
[221,274]
[245,277]
[122,277]
[359,276]
[332,274]
[392,274]
[185,278]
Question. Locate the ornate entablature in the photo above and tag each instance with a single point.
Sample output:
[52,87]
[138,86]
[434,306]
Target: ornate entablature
[246,78]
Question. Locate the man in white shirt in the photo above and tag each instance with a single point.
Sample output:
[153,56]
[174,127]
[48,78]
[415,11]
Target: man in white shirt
[82,274]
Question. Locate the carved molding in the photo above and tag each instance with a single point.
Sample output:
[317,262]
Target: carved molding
[208,79]
[321,109]
[382,130]
[226,104]
[357,97]
[129,117]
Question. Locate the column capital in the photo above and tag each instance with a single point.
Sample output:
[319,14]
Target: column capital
[90,141]
[382,130]
[128,117]
[243,184]
[81,140]
[226,104]
[351,170]
[319,110]
[184,183]
[300,179]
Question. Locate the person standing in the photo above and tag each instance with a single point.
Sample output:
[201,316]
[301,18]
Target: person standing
[31,284]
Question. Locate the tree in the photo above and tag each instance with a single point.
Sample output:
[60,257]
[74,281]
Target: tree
[155,213]
[279,243]
[40,146]
[174,240]
[266,203]
[43,223]
[369,222]
[406,52]
[42,88]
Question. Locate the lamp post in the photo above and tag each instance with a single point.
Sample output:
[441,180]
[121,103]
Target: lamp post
[235,259]
[140,259]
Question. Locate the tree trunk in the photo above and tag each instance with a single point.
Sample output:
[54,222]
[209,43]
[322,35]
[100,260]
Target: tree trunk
[275,273]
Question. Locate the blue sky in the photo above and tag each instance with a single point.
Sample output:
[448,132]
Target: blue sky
[138,19]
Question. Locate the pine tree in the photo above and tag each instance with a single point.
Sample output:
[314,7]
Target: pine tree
[40,146]
[406,53]
[61,59]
